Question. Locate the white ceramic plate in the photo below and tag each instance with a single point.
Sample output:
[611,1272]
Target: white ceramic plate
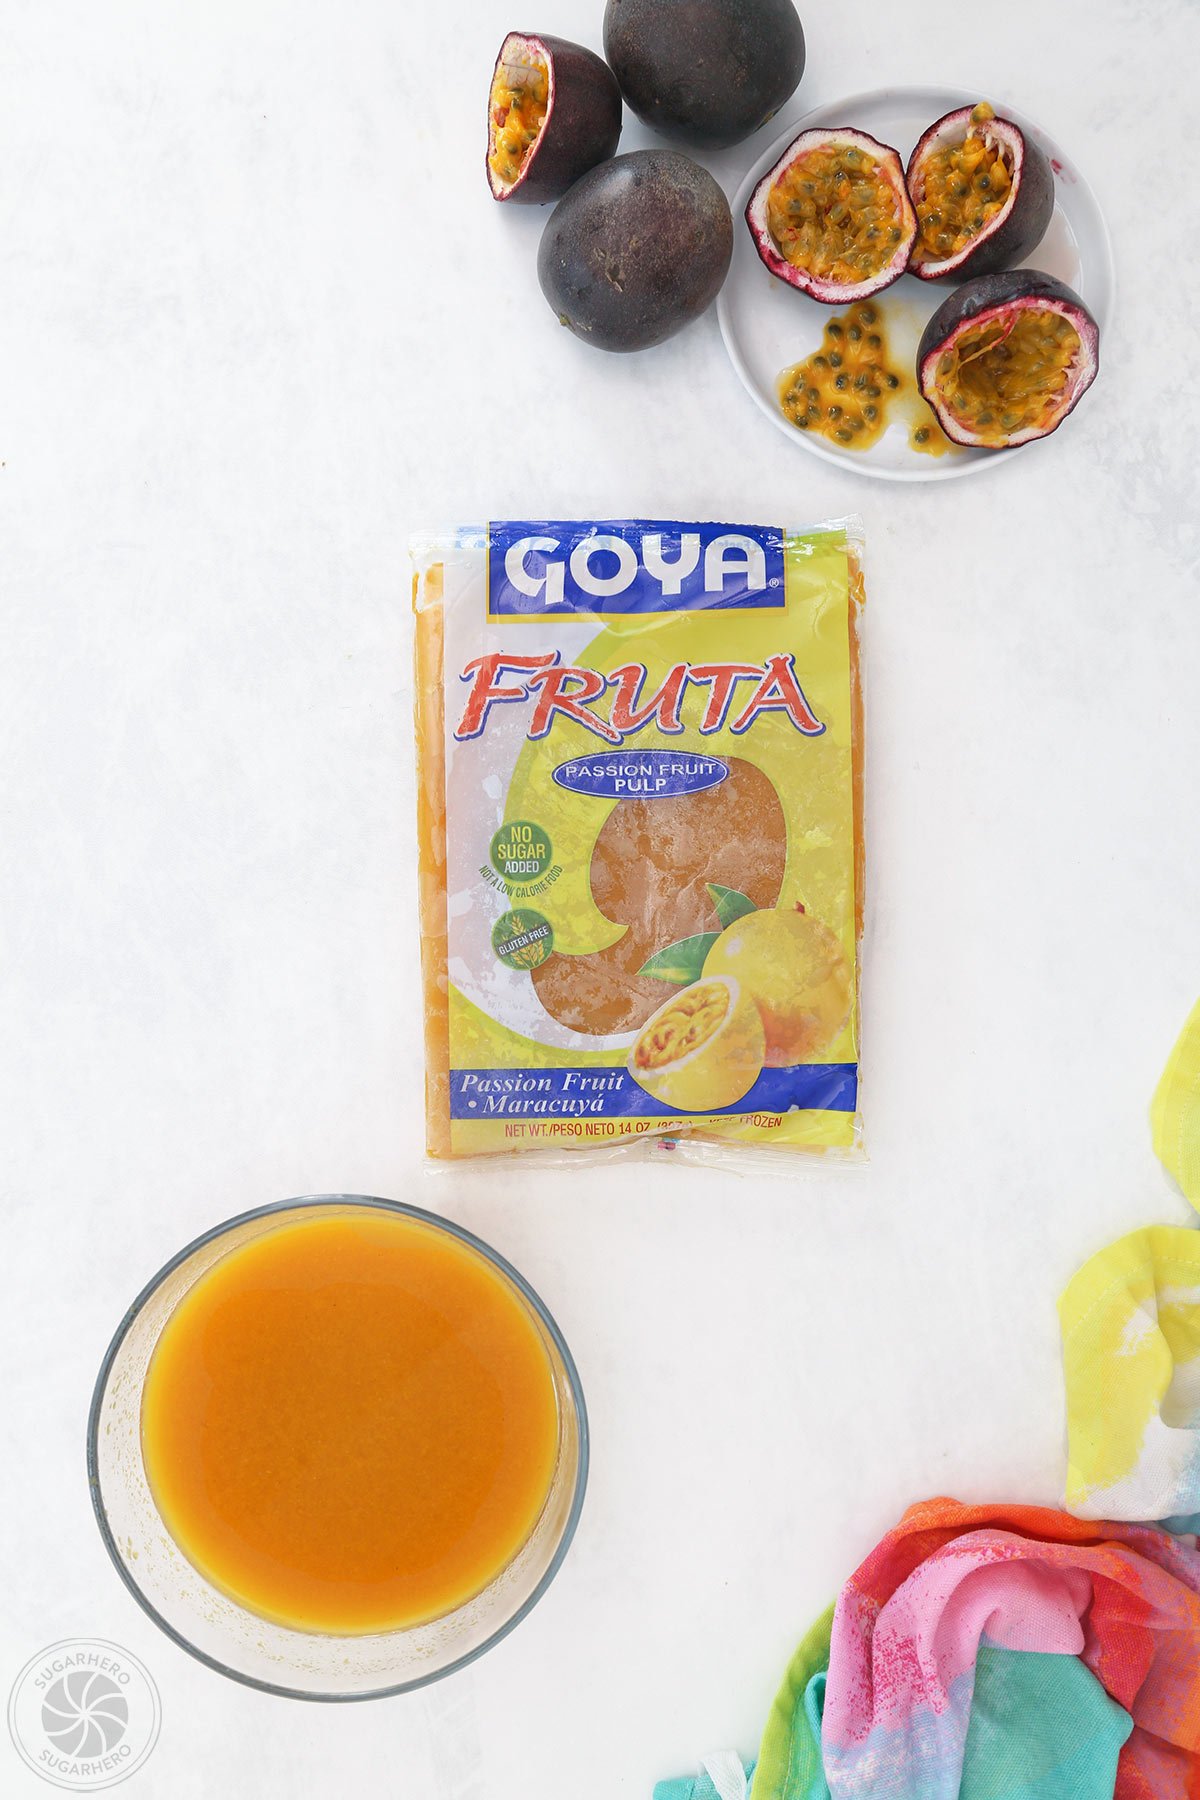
[768,325]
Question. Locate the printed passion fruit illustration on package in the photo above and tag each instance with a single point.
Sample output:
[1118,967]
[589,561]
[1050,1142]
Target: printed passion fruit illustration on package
[640,834]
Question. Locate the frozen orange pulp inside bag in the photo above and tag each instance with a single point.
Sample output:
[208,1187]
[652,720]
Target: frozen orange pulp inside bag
[639,749]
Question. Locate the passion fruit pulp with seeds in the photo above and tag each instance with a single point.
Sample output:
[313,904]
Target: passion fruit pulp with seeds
[554,112]
[841,392]
[636,250]
[833,216]
[984,195]
[705,72]
[1006,358]
[703,1049]
[850,390]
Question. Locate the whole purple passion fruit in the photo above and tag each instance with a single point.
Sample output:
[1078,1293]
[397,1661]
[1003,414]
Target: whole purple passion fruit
[1006,357]
[705,72]
[833,216]
[636,250]
[984,195]
[554,112]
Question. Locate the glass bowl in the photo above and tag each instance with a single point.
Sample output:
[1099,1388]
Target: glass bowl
[210,1625]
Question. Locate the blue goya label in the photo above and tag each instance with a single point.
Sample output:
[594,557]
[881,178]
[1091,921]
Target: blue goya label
[549,566]
[531,1093]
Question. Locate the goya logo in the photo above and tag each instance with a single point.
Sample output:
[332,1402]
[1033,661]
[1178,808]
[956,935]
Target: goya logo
[631,566]
[646,775]
[612,707]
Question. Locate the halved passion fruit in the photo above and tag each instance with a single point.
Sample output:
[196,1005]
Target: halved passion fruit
[984,196]
[833,217]
[553,114]
[703,1049]
[1005,358]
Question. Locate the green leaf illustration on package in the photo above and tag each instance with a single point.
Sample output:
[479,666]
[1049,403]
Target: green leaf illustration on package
[729,903]
[682,962]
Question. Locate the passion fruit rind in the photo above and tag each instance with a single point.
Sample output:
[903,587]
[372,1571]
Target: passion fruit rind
[1009,232]
[1002,298]
[569,121]
[878,239]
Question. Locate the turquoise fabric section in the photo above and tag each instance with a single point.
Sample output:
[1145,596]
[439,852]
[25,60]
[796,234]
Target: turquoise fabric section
[816,1787]
[691,1787]
[1042,1728]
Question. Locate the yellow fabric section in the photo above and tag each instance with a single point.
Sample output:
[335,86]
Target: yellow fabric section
[1131,1326]
[1175,1111]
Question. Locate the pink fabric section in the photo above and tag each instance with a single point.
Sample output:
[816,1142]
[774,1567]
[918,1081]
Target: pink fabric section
[886,1662]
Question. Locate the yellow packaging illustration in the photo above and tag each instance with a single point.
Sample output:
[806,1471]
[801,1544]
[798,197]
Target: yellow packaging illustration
[640,834]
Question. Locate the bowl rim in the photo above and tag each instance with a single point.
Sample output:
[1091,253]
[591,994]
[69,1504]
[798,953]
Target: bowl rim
[545,1318]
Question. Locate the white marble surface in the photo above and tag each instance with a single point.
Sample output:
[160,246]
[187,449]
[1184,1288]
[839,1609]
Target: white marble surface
[258,317]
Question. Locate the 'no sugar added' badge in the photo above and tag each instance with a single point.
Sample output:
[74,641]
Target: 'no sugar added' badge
[521,851]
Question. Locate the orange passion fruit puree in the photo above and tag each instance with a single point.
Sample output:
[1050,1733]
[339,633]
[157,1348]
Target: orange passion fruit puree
[964,187]
[1005,375]
[520,97]
[834,213]
[349,1423]
[687,1024]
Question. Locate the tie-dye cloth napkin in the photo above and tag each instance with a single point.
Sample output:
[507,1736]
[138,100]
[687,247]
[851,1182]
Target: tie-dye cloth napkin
[1131,1341]
[998,1653]
[1041,1728]
[908,1627]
